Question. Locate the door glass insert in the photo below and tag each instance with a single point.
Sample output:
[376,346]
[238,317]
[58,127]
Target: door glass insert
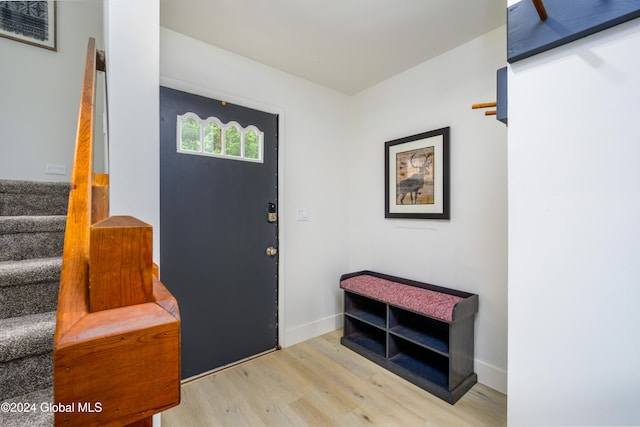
[252,144]
[190,135]
[211,137]
[232,142]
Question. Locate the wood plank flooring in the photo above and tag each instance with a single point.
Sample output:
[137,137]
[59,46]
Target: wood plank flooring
[322,383]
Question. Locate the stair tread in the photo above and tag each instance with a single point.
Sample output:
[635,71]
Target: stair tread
[26,335]
[33,187]
[32,224]
[33,197]
[33,270]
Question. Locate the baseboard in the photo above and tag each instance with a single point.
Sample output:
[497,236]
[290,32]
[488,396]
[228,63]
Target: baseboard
[311,330]
[491,376]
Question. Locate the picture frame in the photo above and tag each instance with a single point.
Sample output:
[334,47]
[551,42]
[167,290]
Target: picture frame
[417,176]
[31,22]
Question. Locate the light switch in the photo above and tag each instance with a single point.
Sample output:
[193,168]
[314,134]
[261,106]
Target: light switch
[302,214]
[56,169]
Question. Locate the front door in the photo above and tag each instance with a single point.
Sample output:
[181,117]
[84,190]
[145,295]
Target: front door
[218,225]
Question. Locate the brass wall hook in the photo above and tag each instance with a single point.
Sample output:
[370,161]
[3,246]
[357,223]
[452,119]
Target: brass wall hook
[486,105]
[542,12]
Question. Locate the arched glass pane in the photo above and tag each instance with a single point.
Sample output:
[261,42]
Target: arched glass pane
[232,141]
[251,145]
[190,135]
[212,138]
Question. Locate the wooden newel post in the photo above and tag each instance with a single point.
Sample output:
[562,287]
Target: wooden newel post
[120,263]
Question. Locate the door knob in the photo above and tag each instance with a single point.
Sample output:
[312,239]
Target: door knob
[271,251]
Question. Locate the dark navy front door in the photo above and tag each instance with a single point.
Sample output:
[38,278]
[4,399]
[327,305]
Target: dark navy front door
[215,232]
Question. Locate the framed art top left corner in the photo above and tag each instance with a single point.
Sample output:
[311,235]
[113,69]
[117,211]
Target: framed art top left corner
[31,22]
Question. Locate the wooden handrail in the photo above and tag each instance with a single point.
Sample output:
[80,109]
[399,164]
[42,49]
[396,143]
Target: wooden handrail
[75,268]
[117,343]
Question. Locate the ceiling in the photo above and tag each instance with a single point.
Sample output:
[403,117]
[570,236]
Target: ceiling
[345,45]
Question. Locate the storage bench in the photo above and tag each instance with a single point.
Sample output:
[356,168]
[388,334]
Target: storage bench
[421,332]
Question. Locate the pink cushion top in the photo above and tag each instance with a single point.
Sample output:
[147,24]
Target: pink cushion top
[424,301]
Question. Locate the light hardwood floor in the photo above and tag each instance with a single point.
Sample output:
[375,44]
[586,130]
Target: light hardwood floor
[322,383]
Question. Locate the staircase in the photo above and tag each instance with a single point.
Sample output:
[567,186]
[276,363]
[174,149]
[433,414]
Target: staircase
[114,345]
[32,224]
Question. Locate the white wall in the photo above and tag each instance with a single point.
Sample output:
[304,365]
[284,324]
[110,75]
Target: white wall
[40,95]
[134,104]
[468,252]
[313,141]
[574,233]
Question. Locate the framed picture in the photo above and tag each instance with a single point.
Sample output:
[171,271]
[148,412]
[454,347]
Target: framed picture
[417,176]
[32,22]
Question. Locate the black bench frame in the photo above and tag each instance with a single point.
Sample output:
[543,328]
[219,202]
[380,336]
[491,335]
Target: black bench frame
[431,353]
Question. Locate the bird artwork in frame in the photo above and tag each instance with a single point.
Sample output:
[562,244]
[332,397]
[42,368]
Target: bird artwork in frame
[417,176]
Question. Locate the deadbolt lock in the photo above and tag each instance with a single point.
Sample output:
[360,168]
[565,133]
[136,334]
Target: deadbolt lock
[272,214]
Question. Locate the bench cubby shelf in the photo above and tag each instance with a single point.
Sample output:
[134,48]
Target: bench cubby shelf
[434,353]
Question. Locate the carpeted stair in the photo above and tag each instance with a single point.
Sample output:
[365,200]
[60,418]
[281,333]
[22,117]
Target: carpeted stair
[32,222]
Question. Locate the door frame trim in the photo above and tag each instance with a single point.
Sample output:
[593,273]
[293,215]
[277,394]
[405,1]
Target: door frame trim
[267,108]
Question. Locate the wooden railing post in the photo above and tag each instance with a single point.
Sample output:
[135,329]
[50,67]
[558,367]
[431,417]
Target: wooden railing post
[120,264]
[99,197]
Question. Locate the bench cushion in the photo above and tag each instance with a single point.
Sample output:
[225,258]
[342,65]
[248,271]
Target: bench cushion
[423,301]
